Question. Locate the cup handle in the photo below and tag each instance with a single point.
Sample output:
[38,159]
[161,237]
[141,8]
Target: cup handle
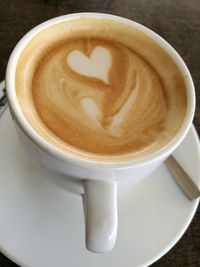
[101,218]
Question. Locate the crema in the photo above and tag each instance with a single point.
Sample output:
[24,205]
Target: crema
[101,89]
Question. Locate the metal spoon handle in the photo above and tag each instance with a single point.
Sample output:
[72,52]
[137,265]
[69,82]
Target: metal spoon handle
[182,179]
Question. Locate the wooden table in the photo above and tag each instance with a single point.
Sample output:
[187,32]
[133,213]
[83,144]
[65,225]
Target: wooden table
[178,21]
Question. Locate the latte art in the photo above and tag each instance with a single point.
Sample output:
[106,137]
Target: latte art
[97,65]
[100,96]
[81,86]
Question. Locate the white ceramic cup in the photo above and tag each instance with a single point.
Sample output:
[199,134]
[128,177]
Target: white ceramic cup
[99,182]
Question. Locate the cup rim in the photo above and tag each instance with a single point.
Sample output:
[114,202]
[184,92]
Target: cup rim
[76,158]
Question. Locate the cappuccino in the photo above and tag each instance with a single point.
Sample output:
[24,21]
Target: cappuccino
[100,88]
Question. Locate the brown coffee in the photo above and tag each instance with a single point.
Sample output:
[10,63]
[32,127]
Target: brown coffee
[101,89]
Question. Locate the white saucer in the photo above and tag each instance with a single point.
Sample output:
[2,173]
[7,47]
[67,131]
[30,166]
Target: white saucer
[42,225]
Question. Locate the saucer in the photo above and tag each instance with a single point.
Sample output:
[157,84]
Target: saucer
[42,225]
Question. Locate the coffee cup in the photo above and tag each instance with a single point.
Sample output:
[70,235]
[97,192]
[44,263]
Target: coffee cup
[102,100]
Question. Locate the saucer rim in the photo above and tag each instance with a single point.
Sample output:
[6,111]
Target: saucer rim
[164,251]
[189,221]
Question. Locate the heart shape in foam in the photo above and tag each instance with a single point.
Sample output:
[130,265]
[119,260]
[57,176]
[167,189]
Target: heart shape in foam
[97,65]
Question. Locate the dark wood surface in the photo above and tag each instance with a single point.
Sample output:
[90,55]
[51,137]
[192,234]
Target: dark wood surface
[178,21]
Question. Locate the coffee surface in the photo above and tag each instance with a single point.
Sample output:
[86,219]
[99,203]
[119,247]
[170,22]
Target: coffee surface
[100,88]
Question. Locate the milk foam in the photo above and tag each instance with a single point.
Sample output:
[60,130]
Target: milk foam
[92,110]
[98,93]
[97,65]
